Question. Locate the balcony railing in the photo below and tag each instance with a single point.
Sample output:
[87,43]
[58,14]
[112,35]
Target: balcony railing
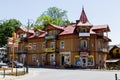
[84,49]
[102,50]
[51,50]
[84,34]
[21,51]
[50,37]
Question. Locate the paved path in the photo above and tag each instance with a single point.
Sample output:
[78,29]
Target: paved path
[62,74]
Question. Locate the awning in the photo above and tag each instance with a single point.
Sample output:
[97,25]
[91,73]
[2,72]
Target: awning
[77,56]
[112,60]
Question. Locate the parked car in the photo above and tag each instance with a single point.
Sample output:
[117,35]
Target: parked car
[16,64]
[3,65]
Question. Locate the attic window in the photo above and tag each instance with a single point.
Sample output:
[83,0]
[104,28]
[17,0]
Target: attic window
[83,30]
[36,34]
[67,30]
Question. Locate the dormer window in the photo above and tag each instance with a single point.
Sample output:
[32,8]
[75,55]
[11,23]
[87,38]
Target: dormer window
[83,30]
[37,34]
[50,33]
[23,35]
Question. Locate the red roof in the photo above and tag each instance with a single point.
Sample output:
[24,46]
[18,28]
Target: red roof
[26,30]
[55,26]
[68,29]
[100,27]
[40,36]
[83,21]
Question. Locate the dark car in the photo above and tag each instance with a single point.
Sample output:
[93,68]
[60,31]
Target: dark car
[16,64]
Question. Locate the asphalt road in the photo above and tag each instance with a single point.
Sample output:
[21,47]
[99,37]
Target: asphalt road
[64,74]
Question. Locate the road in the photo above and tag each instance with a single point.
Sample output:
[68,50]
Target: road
[63,74]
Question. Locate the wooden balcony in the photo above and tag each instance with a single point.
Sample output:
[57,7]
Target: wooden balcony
[84,34]
[105,50]
[84,49]
[50,37]
[51,50]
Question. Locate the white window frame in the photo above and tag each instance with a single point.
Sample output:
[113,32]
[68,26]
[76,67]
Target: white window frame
[52,59]
[34,58]
[37,33]
[34,46]
[62,44]
[52,45]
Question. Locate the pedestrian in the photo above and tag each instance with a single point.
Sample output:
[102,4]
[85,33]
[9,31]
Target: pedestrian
[38,63]
[54,63]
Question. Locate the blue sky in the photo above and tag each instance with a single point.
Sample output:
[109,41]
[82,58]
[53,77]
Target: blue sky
[97,11]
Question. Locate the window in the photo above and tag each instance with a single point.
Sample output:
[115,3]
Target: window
[52,45]
[62,44]
[52,59]
[37,33]
[50,33]
[77,61]
[54,32]
[43,45]
[84,44]
[90,61]
[83,30]
[22,47]
[30,46]
[43,57]
[34,58]
[23,35]
[34,46]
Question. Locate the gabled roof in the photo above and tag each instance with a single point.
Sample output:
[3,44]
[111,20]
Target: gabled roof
[39,30]
[55,26]
[101,27]
[83,21]
[26,30]
[40,36]
[68,30]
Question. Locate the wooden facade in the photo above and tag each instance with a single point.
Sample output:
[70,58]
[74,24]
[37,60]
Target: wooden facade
[79,44]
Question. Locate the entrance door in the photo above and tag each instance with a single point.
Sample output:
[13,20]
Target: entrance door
[62,60]
[83,62]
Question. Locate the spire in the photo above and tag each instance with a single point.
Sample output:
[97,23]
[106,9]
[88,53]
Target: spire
[83,17]
[83,21]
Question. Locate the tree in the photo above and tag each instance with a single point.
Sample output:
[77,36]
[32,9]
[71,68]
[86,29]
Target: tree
[7,27]
[54,16]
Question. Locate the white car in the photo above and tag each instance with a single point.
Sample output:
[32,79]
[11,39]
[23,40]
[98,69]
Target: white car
[3,65]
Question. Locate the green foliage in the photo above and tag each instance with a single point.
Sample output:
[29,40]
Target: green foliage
[6,29]
[54,16]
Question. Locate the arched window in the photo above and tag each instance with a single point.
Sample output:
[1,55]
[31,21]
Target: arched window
[84,44]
